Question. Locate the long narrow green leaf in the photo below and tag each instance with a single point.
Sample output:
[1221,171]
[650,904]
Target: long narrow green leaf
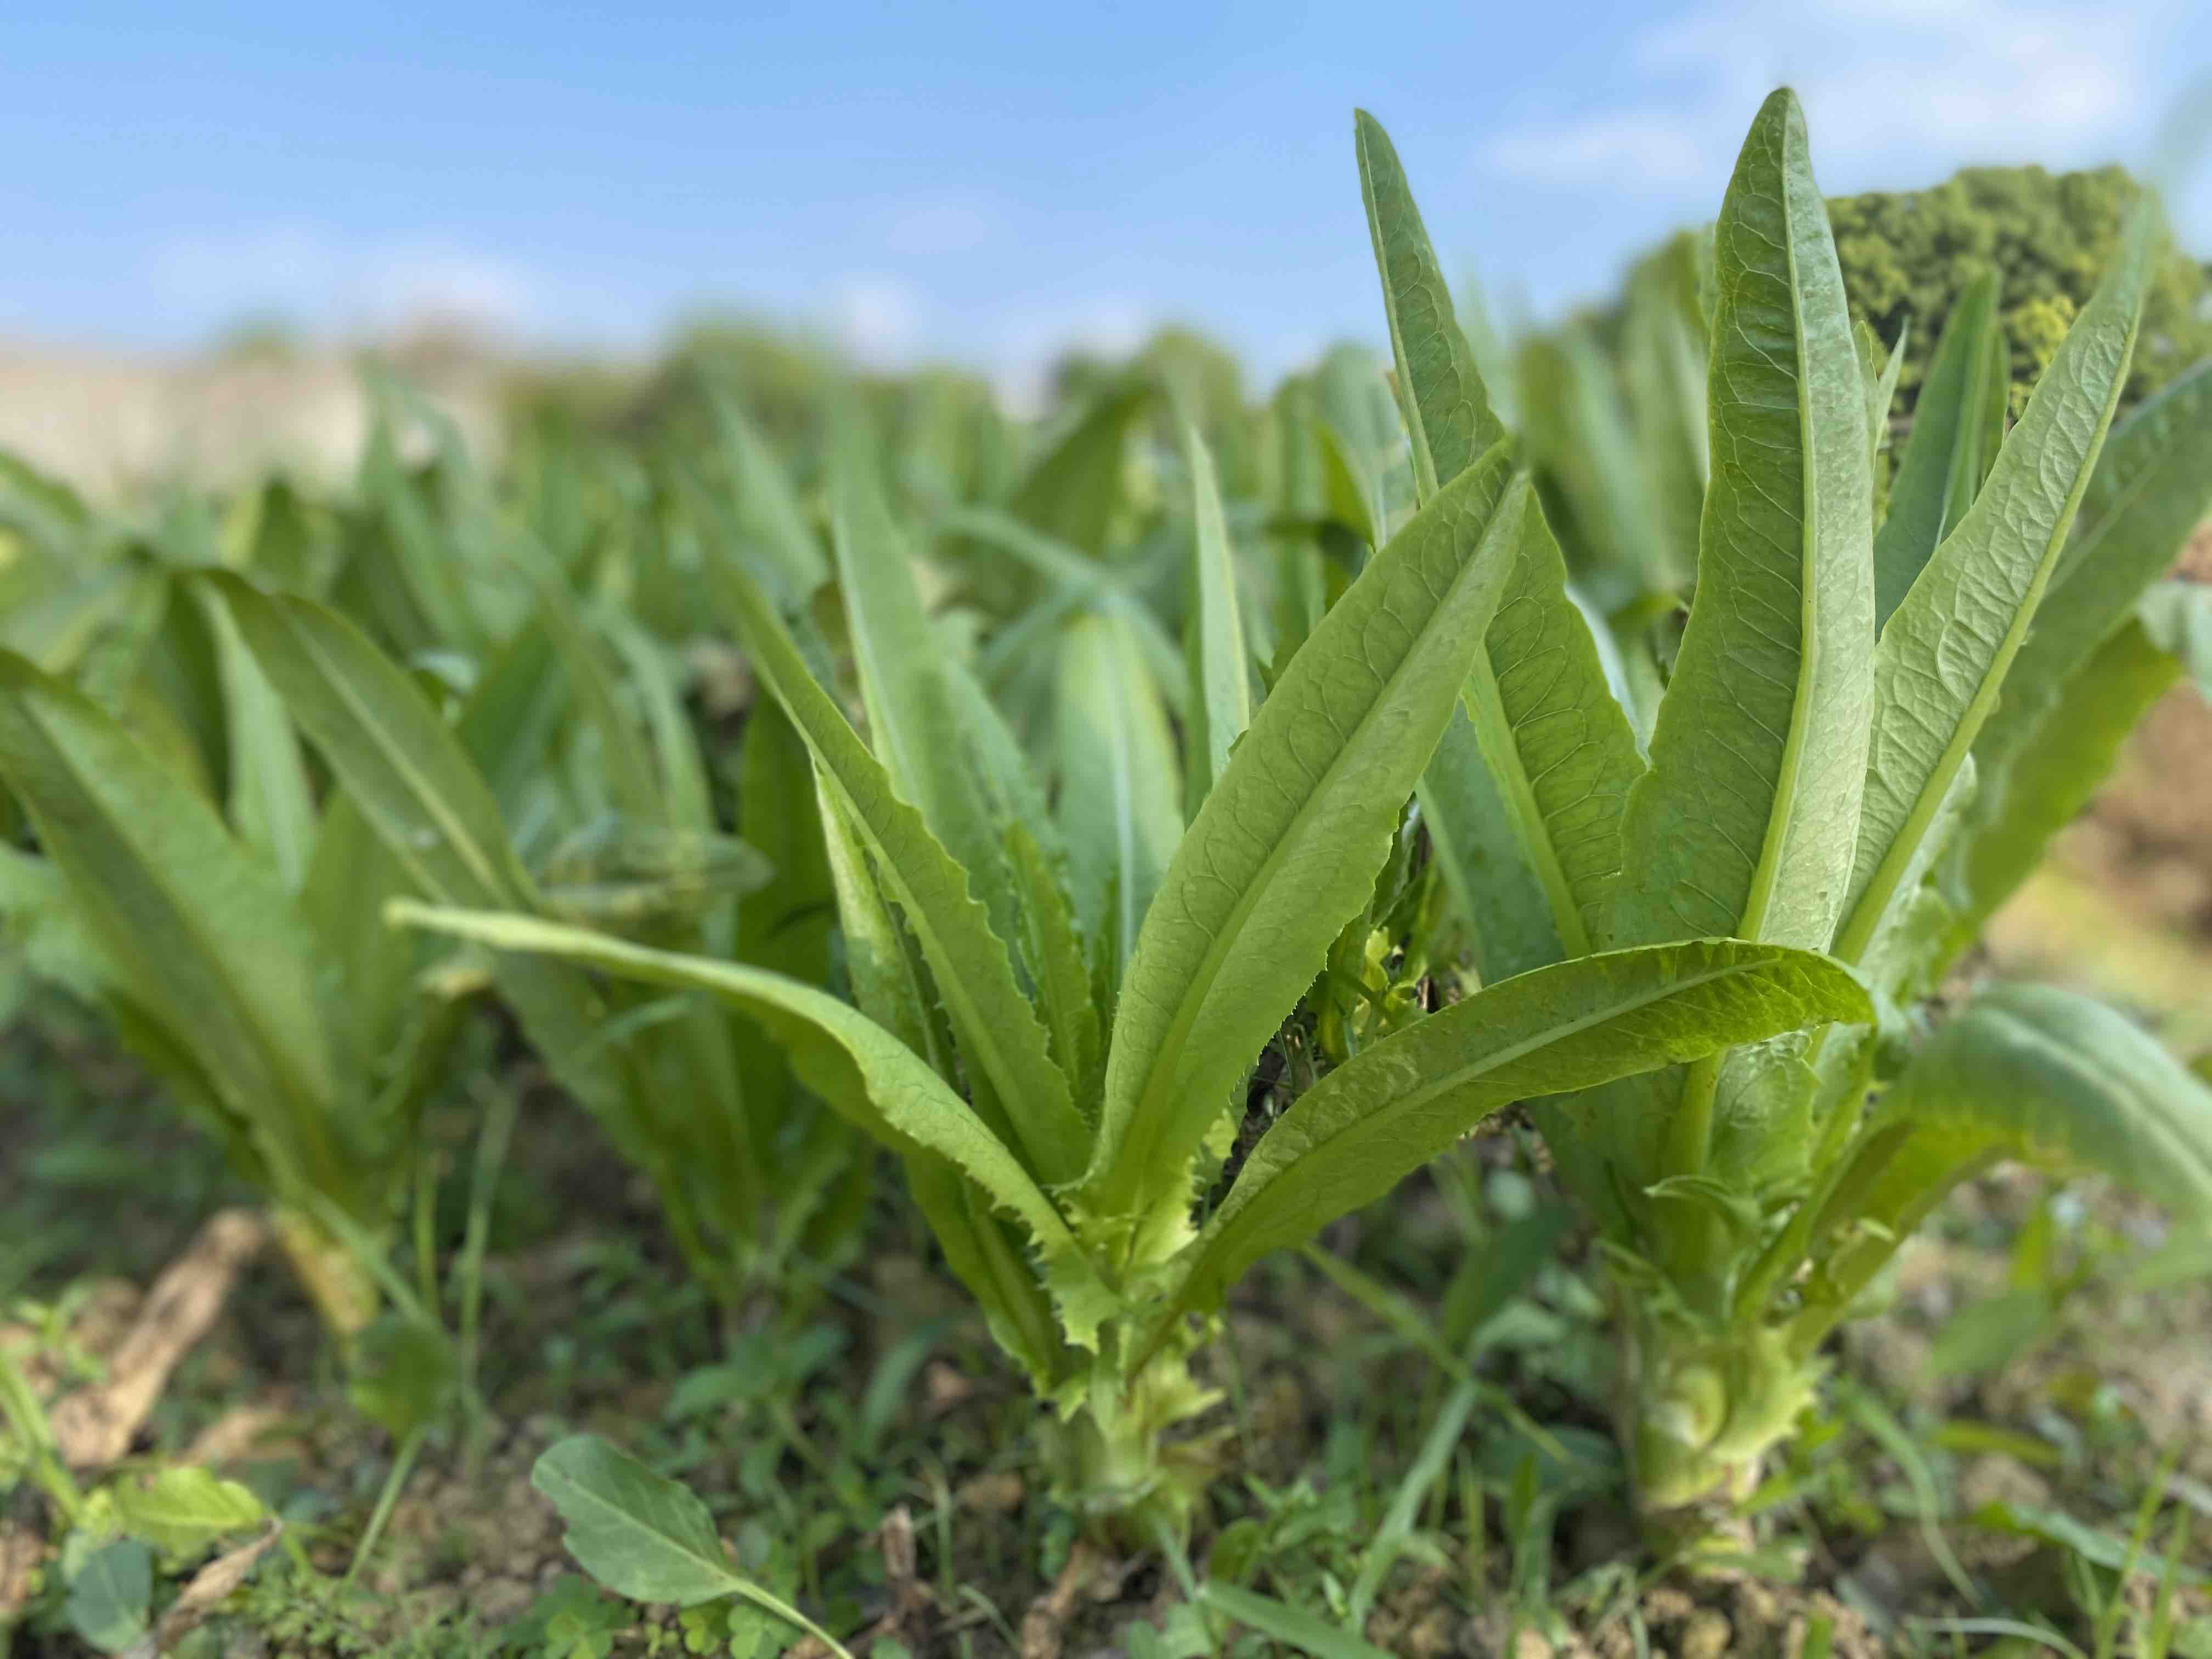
[1573,1025]
[2177,617]
[2060,762]
[887,982]
[2152,486]
[685,796]
[1944,460]
[1447,407]
[1220,700]
[1878,370]
[853,1063]
[766,511]
[2032,1073]
[914,724]
[1496,897]
[1072,489]
[1745,822]
[1556,743]
[1559,751]
[201,935]
[1946,651]
[396,757]
[1121,792]
[622,756]
[1287,847]
[272,804]
[1278,1621]
[430,807]
[786,924]
[1004,1046]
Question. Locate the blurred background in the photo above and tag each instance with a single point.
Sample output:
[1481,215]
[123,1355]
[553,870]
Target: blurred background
[215,213]
[208,206]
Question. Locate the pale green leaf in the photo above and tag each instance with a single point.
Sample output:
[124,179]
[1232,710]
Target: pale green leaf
[200,934]
[784,925]
[1003,1043]
[1292,1626]
[644,1536]
[1447,408]
[1946,651]
[863,1070]
[112,1596]
[184,1508]
[2152,486]
[396,757]
[1494,892]
[1878,370]
[2036,1074]
[1558,751]
[1120,791]
[915,725]
[685,794]
[1287,847]
[1558,747]
[2059,763]
[1073,489]
[407,771]
[1948,452]
[766,512]
[1746,822]
[1054,951]
[1220,700]
[1382,1115]
[2177,617]
[272,807]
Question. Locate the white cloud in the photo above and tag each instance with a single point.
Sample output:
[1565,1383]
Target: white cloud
[933,226]
[878,318]
[1886,84]
[323,280]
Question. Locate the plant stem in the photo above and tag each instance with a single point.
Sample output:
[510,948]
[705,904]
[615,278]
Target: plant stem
[402,1466]
[491,1156]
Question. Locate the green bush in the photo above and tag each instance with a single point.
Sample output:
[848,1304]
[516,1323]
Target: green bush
[1907,254]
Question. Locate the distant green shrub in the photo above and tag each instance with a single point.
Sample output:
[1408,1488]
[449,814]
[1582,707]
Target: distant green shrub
[1907,254]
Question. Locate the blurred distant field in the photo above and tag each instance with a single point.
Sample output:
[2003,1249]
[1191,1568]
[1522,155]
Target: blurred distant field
[114,423]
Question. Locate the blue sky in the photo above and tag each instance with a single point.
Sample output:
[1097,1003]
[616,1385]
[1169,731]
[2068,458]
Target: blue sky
[979,182]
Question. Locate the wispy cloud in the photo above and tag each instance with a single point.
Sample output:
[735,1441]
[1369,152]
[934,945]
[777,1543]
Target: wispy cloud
[940,224]
[1886,84]
[318,278]
[878,318]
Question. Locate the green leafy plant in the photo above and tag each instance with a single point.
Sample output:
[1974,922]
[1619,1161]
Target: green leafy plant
[644,1536]
[242,982]
[1864,742]
[1060,1071]
[678,1086]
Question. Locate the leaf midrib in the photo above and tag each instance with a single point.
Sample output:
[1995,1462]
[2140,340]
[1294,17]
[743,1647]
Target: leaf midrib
[1414,1099]
[453,832]
[1811,641]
